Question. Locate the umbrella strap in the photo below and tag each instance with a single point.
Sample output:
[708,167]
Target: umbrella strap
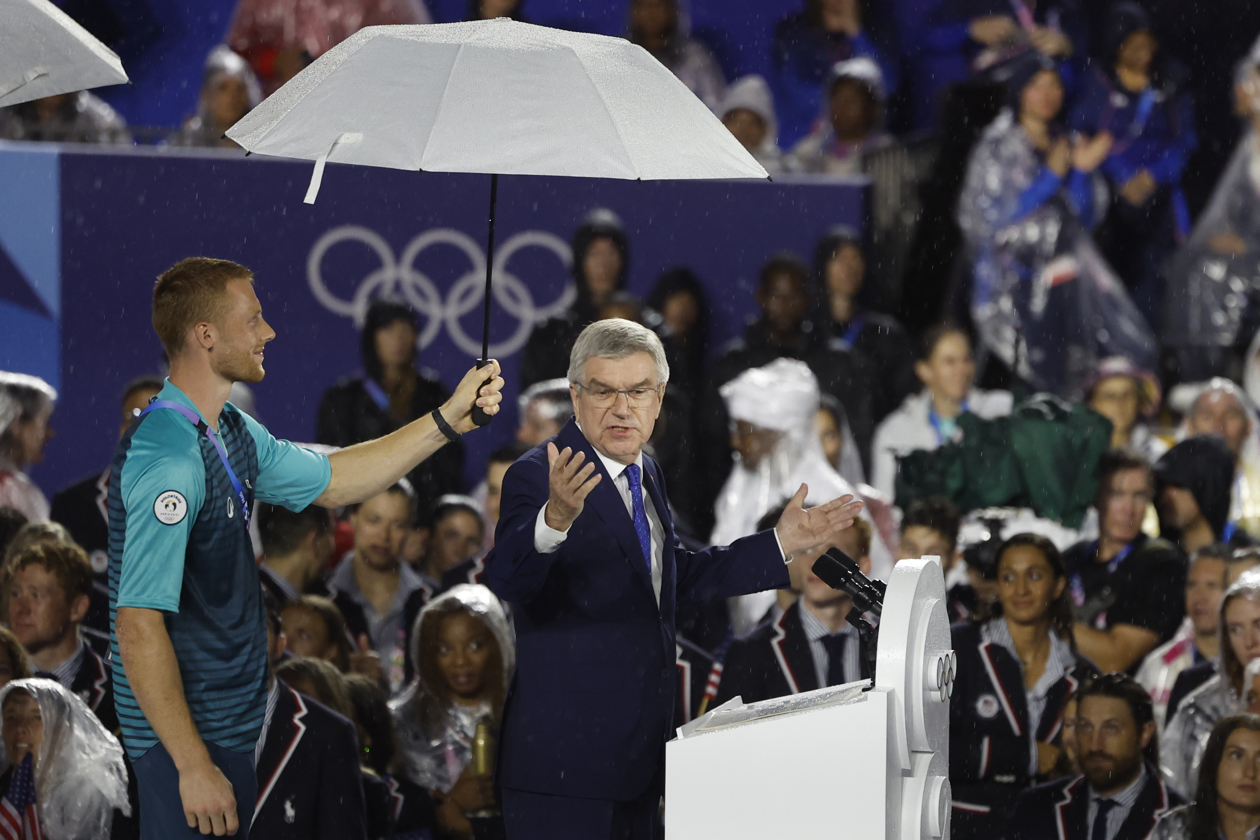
[30,76]
[317,177]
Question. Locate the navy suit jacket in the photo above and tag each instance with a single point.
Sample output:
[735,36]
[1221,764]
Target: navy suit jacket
[1059,810]
[309,783]
[592,700]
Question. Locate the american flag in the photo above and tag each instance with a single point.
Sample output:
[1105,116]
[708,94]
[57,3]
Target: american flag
[18,818]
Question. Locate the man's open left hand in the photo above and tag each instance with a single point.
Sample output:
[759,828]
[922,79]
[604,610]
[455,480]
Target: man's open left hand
[800,529]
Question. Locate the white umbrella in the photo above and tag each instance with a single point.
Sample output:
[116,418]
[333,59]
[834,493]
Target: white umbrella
[495,97]
[43,53]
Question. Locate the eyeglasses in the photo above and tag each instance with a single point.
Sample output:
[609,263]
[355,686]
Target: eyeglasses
[604,397]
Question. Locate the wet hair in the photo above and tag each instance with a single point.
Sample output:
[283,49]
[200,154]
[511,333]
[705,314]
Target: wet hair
[140,383]
[866,534]
[381,314]
[600,223]
[1112,463]
[784,262]
[935,334]
[403,488]
[188,293]
[283,530]
[1060,609]
[681,280]
[66,562]
[326,681]
[18,659]
[12,521]
[30,534]
[509,454]
[371,711]
[1247,586]
[616,338]
[1204,817]
[334,624]
[1123,687]
[936,513]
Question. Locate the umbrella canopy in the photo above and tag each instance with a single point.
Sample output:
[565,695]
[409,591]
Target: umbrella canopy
[496,97]
[44,53]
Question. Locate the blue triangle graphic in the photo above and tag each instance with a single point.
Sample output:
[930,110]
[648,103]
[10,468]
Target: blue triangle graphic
[15,289]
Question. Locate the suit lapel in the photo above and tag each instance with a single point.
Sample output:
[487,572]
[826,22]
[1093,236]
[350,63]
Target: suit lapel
[1072,811]
[283,735]
[1152,801]
[655,488]
[606,502]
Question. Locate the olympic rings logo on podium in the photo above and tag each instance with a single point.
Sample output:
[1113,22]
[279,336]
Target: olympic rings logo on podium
[399,279]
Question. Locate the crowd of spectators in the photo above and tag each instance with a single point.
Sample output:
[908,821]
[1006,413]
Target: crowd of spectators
[1097,539]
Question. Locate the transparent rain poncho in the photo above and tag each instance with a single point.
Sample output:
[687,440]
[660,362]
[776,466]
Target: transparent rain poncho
[1044,300]
[1214,278]
[435,736]
[783,397]
[80,777]
[1187,733]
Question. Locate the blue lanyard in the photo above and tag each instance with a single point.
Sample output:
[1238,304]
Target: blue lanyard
[856,325]
[377,393]
[202,426]
[1227,533]
[1078,585]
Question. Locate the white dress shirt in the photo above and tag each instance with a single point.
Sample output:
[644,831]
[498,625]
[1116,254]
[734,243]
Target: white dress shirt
[548,539]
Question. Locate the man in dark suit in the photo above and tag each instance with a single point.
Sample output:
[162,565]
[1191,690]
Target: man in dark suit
[309,783]
[586,553]
[810,645]
[1121,794]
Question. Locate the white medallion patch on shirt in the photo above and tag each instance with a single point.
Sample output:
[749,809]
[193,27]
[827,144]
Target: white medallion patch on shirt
[171,507]
[231,510]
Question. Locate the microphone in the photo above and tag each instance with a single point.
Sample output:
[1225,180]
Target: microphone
[839,571]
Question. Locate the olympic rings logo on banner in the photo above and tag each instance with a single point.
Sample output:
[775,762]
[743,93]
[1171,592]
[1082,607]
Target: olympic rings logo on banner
[399,279]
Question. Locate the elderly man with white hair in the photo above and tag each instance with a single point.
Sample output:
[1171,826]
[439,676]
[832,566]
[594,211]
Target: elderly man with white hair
[587,555]
[777,449]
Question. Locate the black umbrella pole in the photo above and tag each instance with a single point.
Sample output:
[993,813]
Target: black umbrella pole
[479,417]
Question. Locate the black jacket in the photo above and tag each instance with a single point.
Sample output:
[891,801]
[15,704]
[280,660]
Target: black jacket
[348,415]
[95,685]
[773,661]
[989,750]
[1059,810]
[309,782]
[81,509]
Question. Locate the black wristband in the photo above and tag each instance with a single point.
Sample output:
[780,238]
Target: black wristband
[445,428]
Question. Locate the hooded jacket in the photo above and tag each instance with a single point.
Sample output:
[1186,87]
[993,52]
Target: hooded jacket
[1204,466]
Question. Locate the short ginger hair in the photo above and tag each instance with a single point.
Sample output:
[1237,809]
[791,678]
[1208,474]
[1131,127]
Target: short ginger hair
[188,293]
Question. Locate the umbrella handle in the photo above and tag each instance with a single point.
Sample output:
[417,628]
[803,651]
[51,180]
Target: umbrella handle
[479,416]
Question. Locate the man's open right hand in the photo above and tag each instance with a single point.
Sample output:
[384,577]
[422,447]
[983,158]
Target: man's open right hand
[570,484]
[209,802]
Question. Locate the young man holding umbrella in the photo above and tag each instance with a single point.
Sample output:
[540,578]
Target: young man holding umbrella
[189,628]
[586,553]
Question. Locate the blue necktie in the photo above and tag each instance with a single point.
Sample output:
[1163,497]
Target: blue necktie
[834,645]
[640,513]
[1100,819]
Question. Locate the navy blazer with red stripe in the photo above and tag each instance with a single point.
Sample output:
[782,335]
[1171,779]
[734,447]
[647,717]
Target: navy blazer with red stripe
[1059,810]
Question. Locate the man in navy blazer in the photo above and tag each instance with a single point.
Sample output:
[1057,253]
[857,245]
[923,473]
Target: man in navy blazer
[586,553]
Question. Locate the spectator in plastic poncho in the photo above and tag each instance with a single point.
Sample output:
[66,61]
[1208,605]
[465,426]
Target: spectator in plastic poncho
[1214,278]
[26,404]
[1223,409]
[1137,95]
[1187,732]
[657,26]
[66,118]
[747,111]
[465,652]
[849,127]
[772,411]
[1129,397]
[806,46]
[229,91]
[54,740]
[280,37]
[1044,301]
[1226,801]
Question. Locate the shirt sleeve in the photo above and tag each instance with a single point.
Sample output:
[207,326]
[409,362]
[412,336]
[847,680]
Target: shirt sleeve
[163,486]
[547,539]
[288,475]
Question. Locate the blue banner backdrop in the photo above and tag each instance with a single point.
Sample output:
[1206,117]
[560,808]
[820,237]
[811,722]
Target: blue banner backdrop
[84,232]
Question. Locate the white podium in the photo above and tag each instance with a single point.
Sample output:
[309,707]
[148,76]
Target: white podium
[843,763]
